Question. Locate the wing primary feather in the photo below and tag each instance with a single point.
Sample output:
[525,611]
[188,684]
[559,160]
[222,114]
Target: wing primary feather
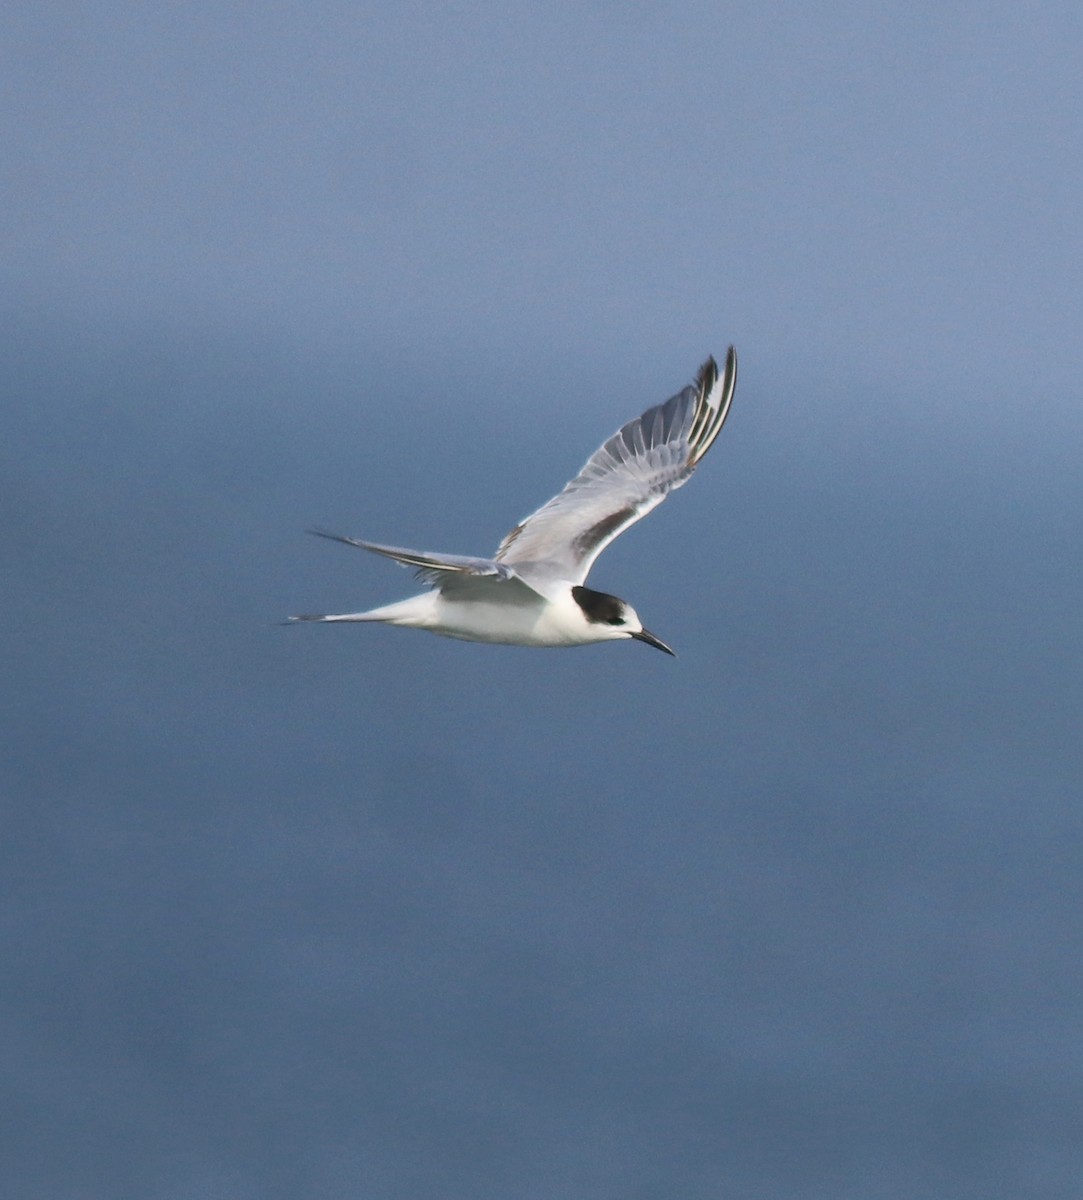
[705,381]
[710,418]
[438,570]
[407,558]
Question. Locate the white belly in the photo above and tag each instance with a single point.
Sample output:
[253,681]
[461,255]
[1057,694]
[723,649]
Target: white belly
[543,624]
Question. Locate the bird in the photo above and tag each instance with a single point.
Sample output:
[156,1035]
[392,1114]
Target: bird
[533,591]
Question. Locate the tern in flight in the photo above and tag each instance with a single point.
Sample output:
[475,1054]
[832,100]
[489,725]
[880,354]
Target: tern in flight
[532,592]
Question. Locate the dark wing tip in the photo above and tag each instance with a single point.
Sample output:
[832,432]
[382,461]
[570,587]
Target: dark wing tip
[707,375]
[332,537]
[731,370]
[711,415]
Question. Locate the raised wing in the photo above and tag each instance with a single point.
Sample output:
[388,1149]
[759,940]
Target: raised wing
[623,480]
[448,572]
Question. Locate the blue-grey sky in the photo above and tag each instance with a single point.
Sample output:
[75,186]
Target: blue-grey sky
[364,913]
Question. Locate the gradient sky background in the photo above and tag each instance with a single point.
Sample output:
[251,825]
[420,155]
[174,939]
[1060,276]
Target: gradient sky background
[344,913]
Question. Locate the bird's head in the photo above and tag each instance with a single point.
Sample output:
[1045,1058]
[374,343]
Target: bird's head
[611,617]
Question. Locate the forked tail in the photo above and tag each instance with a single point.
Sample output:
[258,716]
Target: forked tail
[415,611]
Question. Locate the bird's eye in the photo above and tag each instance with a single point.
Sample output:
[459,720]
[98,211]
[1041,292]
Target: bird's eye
[614,621]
